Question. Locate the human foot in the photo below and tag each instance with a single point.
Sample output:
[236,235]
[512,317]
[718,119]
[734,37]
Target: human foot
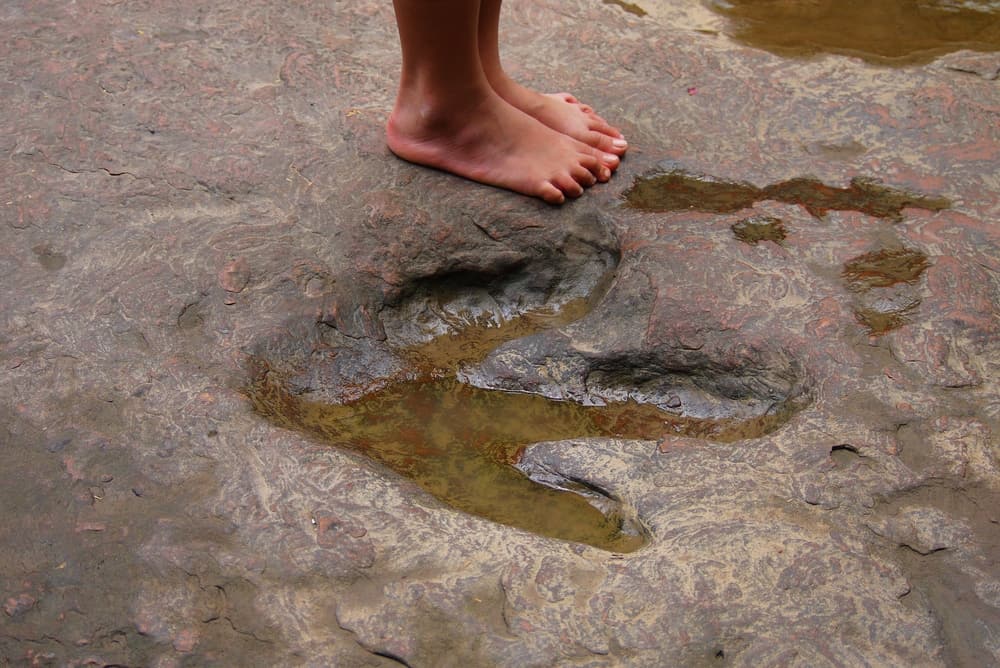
[492,142]
[564,113]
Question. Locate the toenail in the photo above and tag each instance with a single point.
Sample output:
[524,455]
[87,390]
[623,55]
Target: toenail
[620,143]
[611,158]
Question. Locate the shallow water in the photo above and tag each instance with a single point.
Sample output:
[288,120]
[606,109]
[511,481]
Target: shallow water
[460,442]
[884,268]
[677,190]
[759,228]
[887,32]
[879,279]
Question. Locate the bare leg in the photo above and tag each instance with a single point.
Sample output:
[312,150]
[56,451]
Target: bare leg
[448,116]
[560,111]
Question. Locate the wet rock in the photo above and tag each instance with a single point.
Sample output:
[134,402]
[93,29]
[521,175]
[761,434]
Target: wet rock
[180,226]
[347,538]
[15,606]
[923,530]
[965,449]
[985,65]
[235,275]
[48,258]
[59,443]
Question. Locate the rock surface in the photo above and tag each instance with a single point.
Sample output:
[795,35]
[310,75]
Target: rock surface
[194,190]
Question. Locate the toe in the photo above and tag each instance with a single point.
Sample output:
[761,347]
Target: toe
[551,194]
[609,160]
[592,162]
[584,176]
[605,143]
[598,124]
[568,185]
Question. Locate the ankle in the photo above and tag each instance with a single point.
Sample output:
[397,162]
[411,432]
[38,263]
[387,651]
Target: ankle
[432,110]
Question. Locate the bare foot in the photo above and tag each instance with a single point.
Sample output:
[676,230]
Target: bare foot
[564,113]
[492,142]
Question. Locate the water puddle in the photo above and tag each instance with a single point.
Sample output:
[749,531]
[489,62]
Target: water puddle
[460,442]
[678,190]
[883,268]
[759,228]
[886,32]
[883,283]
[477,333]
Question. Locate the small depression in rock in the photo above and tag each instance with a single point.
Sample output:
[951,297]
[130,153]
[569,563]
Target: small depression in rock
[459,443]
[759,228]
[881,322]
[886,32]
[883,268]
[679,190]
[48,258]
[844,455]
[883,283]
[629,7]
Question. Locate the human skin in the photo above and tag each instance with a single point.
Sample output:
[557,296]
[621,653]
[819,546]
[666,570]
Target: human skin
[448,114]
[559,111]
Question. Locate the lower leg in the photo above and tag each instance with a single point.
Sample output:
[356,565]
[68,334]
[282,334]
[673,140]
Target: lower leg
[560,111]
[448,116]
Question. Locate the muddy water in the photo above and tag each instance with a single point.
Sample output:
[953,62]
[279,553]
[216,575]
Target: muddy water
[677,190]
[882,282]
[759,228]
[889,32]
[459,442]
[884,268]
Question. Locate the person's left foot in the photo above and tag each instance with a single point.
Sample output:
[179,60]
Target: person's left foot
[564,113]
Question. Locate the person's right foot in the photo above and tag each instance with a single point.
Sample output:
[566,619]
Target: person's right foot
[493,142]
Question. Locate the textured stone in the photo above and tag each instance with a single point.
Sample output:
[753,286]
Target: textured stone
[196,194]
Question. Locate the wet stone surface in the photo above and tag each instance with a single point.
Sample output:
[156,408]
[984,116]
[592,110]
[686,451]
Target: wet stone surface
[198,198]
[884,286]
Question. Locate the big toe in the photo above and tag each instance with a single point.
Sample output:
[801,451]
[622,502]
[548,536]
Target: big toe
[606,143]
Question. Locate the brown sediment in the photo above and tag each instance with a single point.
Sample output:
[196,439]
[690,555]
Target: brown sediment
[678,190]
[881,322]
[459,442]
[882,281]
[886,32]
[446,354]
[882,268]
[759,228]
